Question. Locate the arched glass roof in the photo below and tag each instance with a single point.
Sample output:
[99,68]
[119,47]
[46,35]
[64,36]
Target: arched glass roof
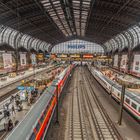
[17,39]
[127,39]
[77,46]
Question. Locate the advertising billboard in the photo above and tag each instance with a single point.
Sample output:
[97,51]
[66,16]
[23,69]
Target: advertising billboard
[116,57]
[7,60]
[23,59]
[123,62]
[76,46]
[136,63]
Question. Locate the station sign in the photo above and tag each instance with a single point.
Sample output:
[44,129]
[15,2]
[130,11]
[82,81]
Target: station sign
[25,88]
[21,88]
[47,56]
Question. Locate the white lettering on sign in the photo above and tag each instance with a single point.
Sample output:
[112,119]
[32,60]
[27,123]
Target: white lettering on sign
[76,46]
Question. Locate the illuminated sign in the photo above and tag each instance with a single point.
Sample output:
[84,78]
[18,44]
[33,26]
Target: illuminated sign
[47,56]
[62,56]
[75,55]
[40,56]
[80,46]
[87,56]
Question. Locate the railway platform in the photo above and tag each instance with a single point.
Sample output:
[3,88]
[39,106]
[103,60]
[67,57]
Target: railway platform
[16,109]
[22,101]
[10,86]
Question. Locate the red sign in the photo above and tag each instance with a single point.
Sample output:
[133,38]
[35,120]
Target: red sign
[87,56]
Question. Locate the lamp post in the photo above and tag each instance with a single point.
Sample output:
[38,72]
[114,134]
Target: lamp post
[57,101]
[121,104]
[125,83]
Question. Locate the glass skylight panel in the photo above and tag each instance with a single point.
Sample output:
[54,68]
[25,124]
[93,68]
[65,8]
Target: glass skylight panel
[56,10]
[81,16]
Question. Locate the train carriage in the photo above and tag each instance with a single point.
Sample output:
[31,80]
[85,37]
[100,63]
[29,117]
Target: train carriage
[131,99]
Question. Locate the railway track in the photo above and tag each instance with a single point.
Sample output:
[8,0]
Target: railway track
[103,125]
[87,119]
[76,123]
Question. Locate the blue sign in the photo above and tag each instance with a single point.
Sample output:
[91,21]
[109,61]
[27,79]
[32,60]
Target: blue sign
[25,88]
[20,87]
[47,56]
[30,88]
[80,46]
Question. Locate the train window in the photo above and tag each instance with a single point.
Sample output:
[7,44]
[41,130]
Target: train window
[37,126]
[134,105]
[42,118]
[118,94]
[139,109]
[127,100]
[46,109]
[32,136]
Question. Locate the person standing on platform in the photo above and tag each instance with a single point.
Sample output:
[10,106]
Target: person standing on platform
[13,110]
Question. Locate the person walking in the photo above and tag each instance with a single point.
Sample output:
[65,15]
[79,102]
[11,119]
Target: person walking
[13,110]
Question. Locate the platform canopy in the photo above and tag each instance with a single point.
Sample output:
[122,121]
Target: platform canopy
[112,23]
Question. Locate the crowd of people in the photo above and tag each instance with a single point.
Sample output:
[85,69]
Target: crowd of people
[11,108]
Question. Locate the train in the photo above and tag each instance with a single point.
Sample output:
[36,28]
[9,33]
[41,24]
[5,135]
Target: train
[43,123]
[37,121]
[131,99]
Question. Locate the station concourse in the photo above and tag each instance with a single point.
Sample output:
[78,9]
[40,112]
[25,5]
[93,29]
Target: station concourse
[69,70]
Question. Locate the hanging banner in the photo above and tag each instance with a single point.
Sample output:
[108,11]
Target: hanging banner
[136,63]
[116,61]
[7,60]
[33,59]
[23,59]
[124,62]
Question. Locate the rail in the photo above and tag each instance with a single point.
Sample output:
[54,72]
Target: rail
[103,124]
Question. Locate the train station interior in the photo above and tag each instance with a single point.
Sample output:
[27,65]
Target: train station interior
[69,70]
